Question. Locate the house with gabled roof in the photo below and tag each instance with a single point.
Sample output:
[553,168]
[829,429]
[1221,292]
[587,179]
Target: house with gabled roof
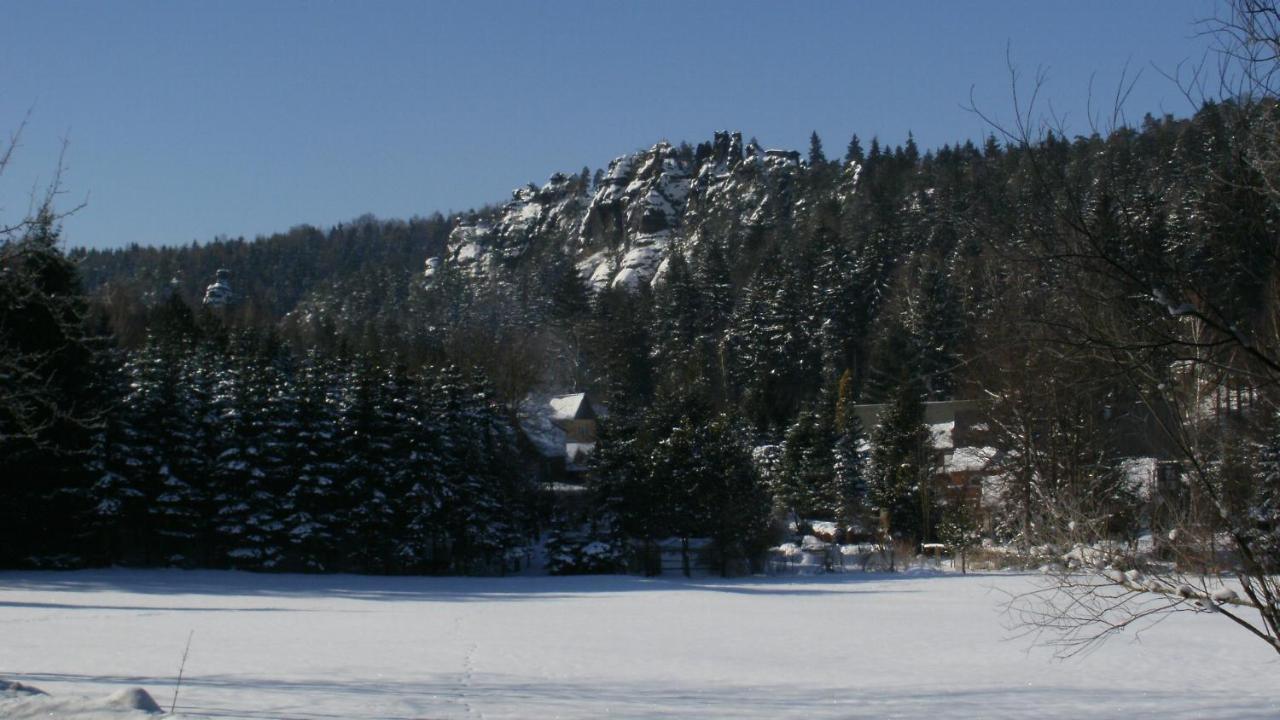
[563,430]
[577,416]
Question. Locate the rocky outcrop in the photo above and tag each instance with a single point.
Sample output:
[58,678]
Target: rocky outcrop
[633,215]
[479,244]
[219,294]
[620,232]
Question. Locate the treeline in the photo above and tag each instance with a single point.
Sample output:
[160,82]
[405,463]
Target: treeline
[215,446]
[367,259]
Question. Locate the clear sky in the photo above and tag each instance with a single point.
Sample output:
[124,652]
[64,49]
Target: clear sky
[188,120]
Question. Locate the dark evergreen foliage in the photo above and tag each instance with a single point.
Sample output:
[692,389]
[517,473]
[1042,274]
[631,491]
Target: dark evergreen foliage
[348,415]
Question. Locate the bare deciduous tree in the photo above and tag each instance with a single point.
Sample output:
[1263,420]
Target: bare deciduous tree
[1175,301]
[28,260]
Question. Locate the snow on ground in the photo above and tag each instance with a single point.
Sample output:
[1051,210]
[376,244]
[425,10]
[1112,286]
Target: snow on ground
[121,705]
[854,645]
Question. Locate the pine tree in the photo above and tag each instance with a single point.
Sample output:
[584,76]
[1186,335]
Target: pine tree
[249,459]
[854,152]
[312,526]
[364,442]
[743,349]
[837,307]
[894,359]
[229,462]
[152,379]
[768,349]
[911,152]
[627,508]
[698,481]
[118,498]
[620,324]
[816,157]
[568,292]
[481,512]
[715,302]
[181,475]
[423,488]
[936,326]
[901,466]
[736,500]
[806,478]
[677,342]
[272,423]
[49,405]
[675,467]
[715,288]
[959,531]
[848,457]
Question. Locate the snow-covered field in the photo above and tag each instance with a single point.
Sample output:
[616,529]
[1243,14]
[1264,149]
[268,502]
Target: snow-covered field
[287,646]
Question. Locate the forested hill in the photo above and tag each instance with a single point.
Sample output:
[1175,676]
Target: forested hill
[365,258]
[348,399]
[766,274]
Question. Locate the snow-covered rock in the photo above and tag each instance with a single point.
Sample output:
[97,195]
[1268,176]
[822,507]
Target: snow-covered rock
[219,294]
[12,689]
[620,233]
[26,702]
[477,244]
[134,698]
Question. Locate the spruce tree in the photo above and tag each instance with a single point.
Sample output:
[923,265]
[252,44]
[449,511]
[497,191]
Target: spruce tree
[182,469]
[364,442]
[806,478]
[116,494]
[854,152]
[49,405]
[817,158]
[901,465]
[849,466]
[617,483]
[676,351]
[768,349]
[312,526]
[734,495]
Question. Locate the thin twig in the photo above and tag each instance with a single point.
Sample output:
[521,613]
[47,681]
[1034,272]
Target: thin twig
[181,668]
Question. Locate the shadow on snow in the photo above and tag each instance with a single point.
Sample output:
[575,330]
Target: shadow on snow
[426,589]
[546,697]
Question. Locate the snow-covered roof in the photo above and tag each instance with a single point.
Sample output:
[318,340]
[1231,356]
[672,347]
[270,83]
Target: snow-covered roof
[535,422]
[1140,475]
[571,407]
[940,434]
[935,412]
[968,459]
[575,407]
[540,417]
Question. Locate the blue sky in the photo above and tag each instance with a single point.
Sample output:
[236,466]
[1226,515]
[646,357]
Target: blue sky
[189,120]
